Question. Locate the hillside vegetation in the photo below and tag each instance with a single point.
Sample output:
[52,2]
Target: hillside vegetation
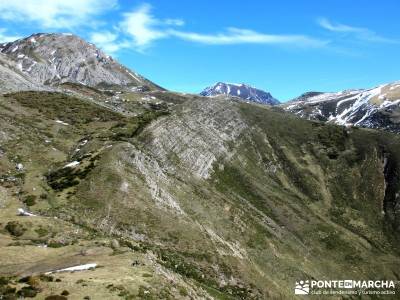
[188,197]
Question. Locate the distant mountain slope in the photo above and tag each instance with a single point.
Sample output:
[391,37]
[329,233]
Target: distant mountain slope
[372,108]
[243,91]
[51,59]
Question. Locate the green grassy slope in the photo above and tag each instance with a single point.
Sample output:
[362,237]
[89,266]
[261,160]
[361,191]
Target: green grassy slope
[218,199]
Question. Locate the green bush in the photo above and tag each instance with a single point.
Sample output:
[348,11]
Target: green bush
[30,200]
[15,228]
[41,232]
[55,245]
[27,292]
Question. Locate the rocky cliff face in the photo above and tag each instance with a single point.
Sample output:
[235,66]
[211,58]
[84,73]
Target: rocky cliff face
[11,77]
[373,108]
[241,91]
[52,59]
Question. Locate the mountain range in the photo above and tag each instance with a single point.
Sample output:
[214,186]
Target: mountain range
[377,108]
[112,187]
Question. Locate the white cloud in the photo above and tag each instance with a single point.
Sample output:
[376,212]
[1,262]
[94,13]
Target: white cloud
[359,33]
[5,37]
[108,41]
[54,13]
[144,28]
[245,36]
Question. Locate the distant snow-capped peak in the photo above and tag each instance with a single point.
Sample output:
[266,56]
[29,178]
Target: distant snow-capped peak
[242,91]
[378,107]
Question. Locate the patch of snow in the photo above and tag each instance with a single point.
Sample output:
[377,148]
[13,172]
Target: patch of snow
[75,268]
[235,84]
[30,67]
[19,66]
[22,212]
[14,49]
[291,106]
[344,101]
[72,164]
[387,103]
[61,122]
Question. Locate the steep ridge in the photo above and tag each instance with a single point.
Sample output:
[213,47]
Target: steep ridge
[373,108]
[241,91]
[52,59]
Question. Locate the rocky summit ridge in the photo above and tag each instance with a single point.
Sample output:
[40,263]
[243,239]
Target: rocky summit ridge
[242,91]
[46,60]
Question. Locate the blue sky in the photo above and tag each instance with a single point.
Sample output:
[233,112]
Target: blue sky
[284,47]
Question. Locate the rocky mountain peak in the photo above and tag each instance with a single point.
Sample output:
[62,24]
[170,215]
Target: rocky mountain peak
[242,90]
[55,58]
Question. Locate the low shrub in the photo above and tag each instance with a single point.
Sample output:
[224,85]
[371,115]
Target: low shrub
[30,200]
[15,228]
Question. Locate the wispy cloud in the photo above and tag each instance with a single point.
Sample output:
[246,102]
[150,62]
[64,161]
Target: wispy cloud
[5,37]
[245,36]
[144,28]
[108,41]
[175,22]
[54,13]
[359,33]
